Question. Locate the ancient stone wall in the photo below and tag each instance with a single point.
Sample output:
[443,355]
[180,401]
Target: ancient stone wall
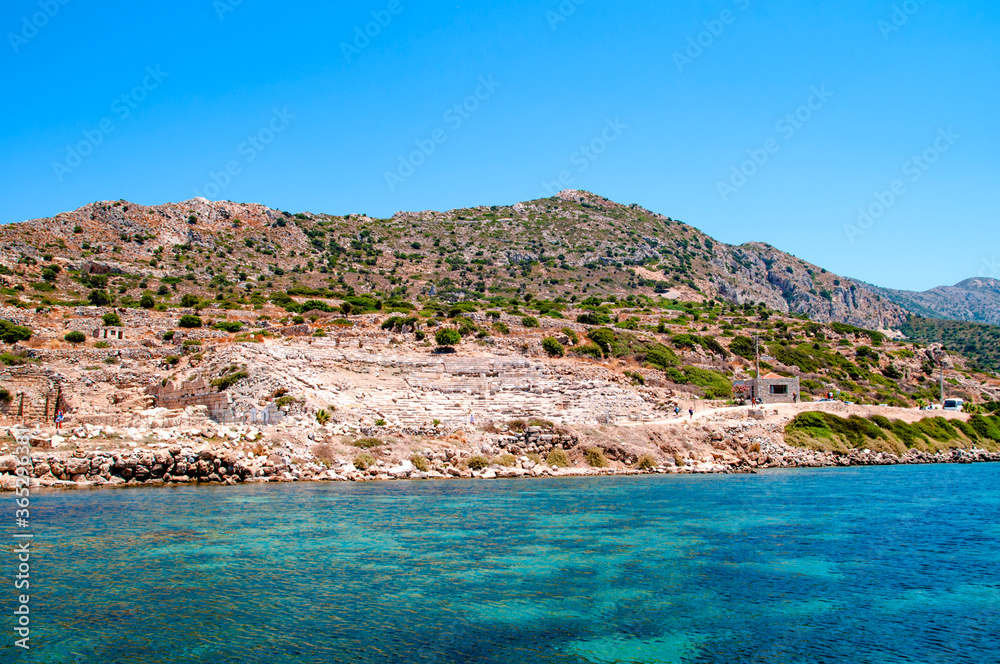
[33,396]
[194,393]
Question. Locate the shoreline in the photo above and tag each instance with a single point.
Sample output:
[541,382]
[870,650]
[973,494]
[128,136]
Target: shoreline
[238,473]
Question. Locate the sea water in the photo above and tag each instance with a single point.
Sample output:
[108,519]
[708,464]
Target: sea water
[879,565]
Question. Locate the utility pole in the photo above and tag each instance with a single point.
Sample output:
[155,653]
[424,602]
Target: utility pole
[942,379]
[756,380]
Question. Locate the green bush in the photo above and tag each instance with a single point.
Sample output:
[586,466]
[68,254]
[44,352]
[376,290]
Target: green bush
[225,382]
[592,318]
[12,360]
[661,358]
[593,350]
[168,335]
[553,347]
[189,321]
[646,462]
[477,462]
[507,460]
[558,459]
[501,327]
[228,326]
[420,463]
[367,443]
[147,301]
[595,457]
[744,347]
[364,461]
[571,335]
[189,300]
[11,333]
[604,338]
[529,321]
[75,337]
[99,298]
[111,319]
[447,337]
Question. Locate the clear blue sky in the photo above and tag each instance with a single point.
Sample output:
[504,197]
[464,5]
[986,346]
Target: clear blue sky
[346,116]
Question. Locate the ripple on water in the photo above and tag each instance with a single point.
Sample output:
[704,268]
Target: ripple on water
[852,565]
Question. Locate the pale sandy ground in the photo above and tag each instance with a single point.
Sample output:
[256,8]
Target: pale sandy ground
[778,413]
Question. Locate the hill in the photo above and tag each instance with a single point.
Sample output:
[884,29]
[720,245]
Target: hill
[976,341]
[561,249]
[974,300]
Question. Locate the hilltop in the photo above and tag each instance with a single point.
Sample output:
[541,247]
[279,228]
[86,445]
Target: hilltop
[562,249]
[973,300]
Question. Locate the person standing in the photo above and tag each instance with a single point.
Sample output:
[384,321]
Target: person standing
[60,416]
[691,412]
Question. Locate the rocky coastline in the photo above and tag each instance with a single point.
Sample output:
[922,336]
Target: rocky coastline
[231,463]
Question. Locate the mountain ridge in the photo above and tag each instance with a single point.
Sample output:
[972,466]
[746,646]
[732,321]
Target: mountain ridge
[564,246]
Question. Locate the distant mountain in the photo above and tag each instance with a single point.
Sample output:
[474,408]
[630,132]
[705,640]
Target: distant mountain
[566,248]
[973,300]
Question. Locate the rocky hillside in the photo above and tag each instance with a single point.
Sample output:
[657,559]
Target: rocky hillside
[562,250]
[973,300]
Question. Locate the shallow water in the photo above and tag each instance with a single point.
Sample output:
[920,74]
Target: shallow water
[879,565]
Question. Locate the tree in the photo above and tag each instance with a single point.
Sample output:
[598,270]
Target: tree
[111,319]
[552,346]
[447,337]
[11,333]
[189,321]
[189,300]
[99,298]
[147,301]
[75,337]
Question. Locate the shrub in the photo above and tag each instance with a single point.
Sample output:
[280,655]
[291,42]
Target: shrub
[147,301]
[507,460]
[364,461]
[11,333]
[189,321]
[228,326]
[447,337]
[12,360]
[553,347]
[604,338]
[111,319]
[102,344]
[99,298]
[571,335]
[595,457]
[477,462]
[661,358]
[322,416]
[5,396]
[75,337]
[557,458]
[501,327]
[225,382]
[529,321]
[367,443]
[189,300]
[592,350]
[646,462]
[534,456]
[593,319]
[168,335]
[420,463]
[744,347]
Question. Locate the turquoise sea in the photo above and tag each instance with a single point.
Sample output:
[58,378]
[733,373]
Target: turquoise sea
[869,565]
